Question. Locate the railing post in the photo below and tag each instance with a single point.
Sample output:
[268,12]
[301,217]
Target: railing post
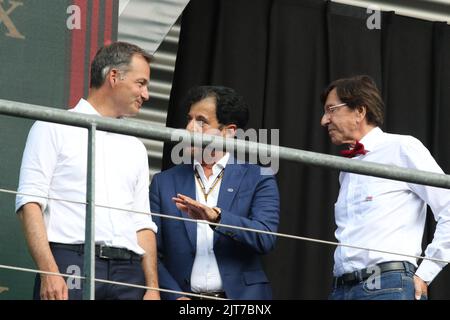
[89,240]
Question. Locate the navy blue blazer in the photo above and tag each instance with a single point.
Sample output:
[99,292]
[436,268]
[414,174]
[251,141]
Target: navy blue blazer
[247,199]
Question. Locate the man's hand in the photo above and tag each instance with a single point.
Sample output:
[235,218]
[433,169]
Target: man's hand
[53,288]
[421,288]
[151,295]
[195,209]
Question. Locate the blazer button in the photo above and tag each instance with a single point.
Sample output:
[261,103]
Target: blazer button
[186,281]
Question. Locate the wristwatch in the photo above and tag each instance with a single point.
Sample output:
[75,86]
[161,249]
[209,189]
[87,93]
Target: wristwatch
[219,213]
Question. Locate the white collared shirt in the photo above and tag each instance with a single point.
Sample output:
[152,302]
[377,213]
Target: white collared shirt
[205,276]
[54,165]
[390,215]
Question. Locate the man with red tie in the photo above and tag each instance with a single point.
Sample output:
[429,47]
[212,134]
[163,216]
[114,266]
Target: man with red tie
[378,213]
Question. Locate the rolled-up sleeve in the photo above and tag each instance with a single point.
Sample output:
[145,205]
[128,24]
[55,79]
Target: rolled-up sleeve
[141,198]
[38,164]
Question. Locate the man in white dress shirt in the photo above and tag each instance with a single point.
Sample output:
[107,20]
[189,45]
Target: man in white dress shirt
[54,169]
[379,213]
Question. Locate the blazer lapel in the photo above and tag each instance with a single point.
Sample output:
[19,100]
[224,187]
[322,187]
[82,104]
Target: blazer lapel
[185,184]
[232,179]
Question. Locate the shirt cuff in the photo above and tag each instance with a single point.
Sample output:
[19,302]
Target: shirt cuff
[146,225]
[428,270]
[21,200]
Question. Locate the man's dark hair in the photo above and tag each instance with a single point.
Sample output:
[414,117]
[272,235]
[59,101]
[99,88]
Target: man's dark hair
[230,106]
[356,92]
[116,55]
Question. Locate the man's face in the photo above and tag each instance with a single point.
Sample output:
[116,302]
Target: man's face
[202,117]
[340,120]
[131,88]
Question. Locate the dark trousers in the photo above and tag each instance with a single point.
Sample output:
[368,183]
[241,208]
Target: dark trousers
[128,271]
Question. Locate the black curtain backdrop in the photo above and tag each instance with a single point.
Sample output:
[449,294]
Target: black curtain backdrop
[280,54]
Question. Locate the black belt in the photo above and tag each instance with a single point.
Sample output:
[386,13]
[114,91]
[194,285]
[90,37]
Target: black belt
[101,251]
[218,294]
[363,274]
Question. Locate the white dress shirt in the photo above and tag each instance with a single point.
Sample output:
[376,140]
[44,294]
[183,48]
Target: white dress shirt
[54,165]
[205,276]
[390,215]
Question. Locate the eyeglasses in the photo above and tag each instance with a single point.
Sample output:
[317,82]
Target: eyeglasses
[330,109]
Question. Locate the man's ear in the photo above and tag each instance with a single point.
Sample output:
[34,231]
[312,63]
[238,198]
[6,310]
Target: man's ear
[361,112]
[230,130]
[112,77]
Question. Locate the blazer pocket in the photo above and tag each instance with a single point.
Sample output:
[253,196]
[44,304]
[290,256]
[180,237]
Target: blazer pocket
[255,277]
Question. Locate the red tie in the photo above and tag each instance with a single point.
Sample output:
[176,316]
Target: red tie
[357,149]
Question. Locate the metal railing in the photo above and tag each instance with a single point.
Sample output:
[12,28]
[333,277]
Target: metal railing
[123,126]
[431,10]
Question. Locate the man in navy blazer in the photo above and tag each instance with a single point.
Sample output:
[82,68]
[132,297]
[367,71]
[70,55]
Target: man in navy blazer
[201,258]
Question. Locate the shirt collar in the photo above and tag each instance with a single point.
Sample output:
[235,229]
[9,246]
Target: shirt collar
[372,139]
[217,167]
[83,106]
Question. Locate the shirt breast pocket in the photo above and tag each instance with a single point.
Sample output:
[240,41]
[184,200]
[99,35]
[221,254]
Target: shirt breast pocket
[365,198]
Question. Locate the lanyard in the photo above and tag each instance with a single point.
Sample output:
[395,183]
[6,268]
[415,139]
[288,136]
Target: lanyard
[202,186]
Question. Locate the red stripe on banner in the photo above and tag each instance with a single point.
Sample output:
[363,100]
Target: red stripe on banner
[77,49]
[94,32]
[108,21]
